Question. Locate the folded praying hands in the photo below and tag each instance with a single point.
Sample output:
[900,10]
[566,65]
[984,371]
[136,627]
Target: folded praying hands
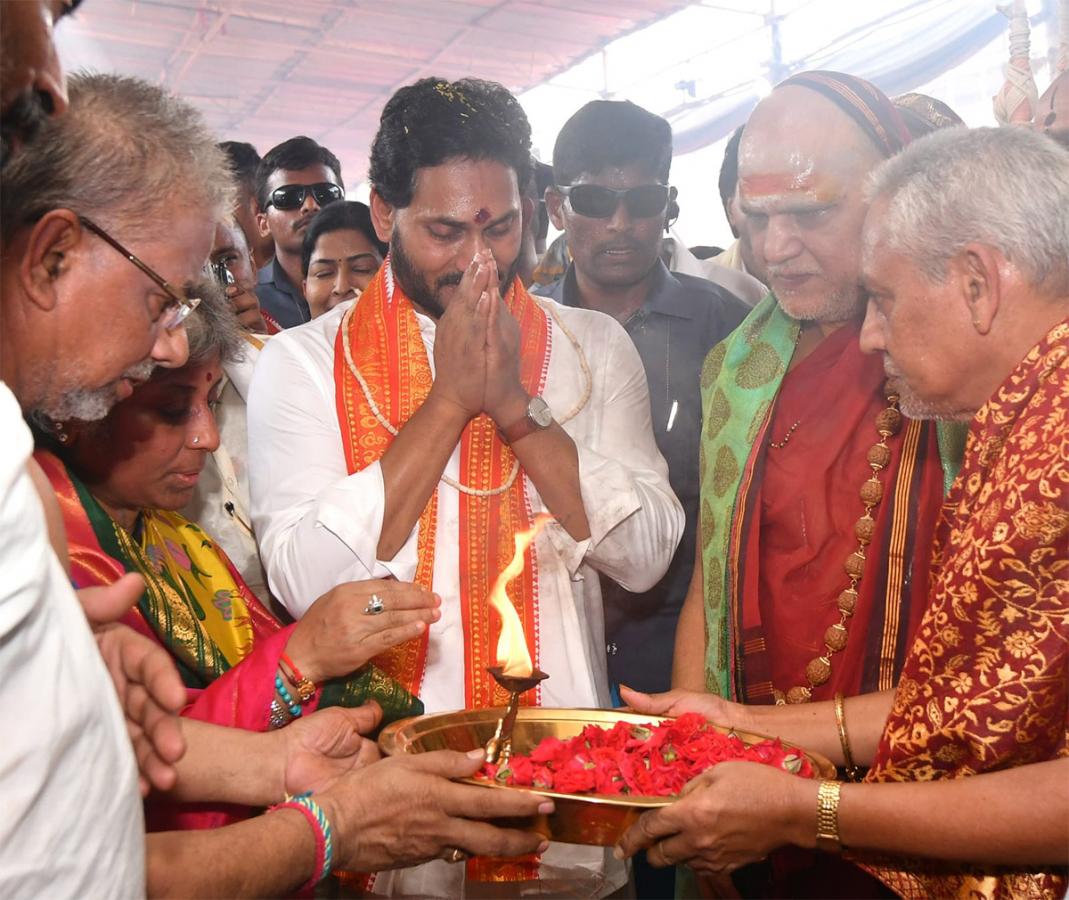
[476,347]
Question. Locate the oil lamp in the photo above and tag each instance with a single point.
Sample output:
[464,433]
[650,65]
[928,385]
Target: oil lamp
[515,671]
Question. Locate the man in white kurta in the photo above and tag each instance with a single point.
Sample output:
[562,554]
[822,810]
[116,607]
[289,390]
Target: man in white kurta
[320,526]
[453,218]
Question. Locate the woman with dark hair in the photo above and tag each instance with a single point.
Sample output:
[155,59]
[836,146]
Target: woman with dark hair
[340,254]
[120,482]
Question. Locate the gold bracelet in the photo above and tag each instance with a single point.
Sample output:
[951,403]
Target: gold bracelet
[828,817]
[853,771]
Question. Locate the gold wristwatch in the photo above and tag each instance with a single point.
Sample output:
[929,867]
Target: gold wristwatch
[828,817]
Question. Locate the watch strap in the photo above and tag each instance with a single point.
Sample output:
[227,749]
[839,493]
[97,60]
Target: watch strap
[519,429]
[536,408]
[828,817]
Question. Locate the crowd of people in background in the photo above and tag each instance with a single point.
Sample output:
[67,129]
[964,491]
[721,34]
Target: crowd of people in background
[266,450]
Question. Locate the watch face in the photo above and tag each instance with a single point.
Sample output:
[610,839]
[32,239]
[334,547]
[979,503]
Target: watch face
[539,413]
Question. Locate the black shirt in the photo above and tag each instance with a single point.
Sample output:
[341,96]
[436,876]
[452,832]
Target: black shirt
[680,322]
[279,297]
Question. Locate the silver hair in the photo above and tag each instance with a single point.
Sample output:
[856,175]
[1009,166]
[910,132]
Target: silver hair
[212,328]
[1007,188]
[125,153]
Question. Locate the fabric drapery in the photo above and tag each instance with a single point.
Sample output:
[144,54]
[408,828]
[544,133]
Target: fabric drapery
[865,103]
[986,684]
[797,531]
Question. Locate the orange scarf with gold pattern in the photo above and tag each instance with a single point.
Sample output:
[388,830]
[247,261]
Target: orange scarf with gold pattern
[388,350]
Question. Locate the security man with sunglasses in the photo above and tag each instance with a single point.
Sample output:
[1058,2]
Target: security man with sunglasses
[294,180]
[612,199]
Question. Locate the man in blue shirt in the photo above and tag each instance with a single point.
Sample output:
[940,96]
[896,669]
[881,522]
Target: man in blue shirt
[294,180]
[612,199]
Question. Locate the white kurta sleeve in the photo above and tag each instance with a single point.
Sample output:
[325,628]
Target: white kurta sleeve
[317,525]
[635,519]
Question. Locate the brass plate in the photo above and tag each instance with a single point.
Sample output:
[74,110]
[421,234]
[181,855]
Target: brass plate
[596,819]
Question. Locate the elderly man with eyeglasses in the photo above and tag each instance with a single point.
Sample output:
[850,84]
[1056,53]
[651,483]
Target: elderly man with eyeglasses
[97,276]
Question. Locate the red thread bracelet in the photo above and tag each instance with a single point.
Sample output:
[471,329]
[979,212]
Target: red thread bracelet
[305,689]
[321,843]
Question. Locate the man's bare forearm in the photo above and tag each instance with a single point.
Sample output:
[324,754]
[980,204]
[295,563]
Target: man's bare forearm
[551,461]
[269,856]
[229,765]
[688,662]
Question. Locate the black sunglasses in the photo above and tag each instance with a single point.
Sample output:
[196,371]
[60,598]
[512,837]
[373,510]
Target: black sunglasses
[292,196]
[597,202]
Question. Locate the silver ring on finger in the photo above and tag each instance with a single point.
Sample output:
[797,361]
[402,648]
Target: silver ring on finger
[454,855]
[375,606]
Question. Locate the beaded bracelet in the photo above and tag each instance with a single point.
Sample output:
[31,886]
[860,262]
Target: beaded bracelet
[287,698]
[305,688]
[324,835]
[278,716]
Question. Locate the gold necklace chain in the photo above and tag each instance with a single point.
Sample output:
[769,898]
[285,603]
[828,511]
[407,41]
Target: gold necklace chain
[779,445]
[385,423]
[818,671]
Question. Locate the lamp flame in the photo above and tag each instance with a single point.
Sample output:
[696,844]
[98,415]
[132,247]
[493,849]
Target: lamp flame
[512,654]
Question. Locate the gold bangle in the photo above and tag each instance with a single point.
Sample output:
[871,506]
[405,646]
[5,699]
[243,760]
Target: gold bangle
[853,771]
[828,817]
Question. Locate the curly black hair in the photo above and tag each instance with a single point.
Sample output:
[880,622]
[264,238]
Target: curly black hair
[432,121]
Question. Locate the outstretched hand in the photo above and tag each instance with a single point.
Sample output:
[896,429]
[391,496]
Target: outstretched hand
[677,702]
[731,815]
[149,687]
[406,810]
[335,637]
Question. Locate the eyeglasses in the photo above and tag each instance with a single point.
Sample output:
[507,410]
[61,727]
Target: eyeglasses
[292,196]
[178,308]
[597,202]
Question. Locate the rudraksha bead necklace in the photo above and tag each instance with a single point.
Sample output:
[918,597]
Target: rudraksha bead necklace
[888,423]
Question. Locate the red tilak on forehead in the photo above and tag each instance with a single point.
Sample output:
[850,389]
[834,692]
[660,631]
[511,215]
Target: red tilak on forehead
[482,215]
[209,377]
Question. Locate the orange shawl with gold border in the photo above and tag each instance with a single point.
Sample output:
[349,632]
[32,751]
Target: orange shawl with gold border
[388,350]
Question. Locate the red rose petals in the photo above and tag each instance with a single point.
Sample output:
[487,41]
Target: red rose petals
[638,760]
